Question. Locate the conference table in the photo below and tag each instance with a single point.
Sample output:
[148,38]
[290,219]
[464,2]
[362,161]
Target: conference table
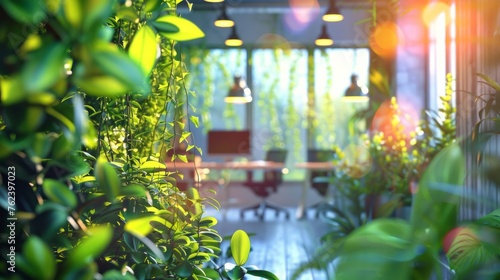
[256,165]
[309,167]
[220,166]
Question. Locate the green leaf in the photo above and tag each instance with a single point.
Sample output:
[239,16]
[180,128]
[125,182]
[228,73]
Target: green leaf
[49,221]
[184,269]
[153,166]
[490,81]
[8,146]
[187,29]
[208,222]
[117,64]
[59,193]
[134,191]
[12,90]
[44,67]
[143,48]
[141,227]
[26,11]
[164,27]
[91,247]
[107,178]
[262,274]
[195,120]
[102,86]
[240,247]
[237,273]
[435,203]
[127,13]
[468,252]
[116,275]
[37,259]
[151,5]
[381,247]
[73,12]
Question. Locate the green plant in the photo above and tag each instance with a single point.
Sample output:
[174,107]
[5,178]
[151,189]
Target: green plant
[394,248]
[92,98]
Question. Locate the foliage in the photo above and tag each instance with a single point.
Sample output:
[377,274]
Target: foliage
[393,248]
[92,98]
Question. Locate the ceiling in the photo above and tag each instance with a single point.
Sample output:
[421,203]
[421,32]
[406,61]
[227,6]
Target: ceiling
[271,5]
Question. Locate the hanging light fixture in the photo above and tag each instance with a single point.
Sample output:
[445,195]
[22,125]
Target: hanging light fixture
[233,40]
[214,1]
[323,39]
[223,20]
[333,13]
[239,93]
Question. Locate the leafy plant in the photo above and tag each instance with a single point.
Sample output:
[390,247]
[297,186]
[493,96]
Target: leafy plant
[394,248]
[91,101]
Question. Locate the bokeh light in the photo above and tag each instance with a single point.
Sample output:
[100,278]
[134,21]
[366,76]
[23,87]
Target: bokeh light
[385,38]
[302,12]
[434,10]
[356,161]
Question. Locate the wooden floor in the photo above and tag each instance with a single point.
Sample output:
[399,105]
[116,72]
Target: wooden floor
[278,245]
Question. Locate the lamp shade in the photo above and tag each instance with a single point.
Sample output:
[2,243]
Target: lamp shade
[223,20]
[233,40]
[333,13]
[323,39]
[239,93]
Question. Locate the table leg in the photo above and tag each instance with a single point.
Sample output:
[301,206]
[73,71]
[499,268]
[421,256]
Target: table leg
[303,197]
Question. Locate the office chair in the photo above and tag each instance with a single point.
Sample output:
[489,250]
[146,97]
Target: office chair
[319,179]
[271,180]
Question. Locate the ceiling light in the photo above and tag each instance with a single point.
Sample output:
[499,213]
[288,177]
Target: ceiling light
[233,40]
[333,13]
[323,39]
[239,93]
[223,20]
[214,1]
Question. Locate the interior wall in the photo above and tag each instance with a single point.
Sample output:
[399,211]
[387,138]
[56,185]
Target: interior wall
[478,38]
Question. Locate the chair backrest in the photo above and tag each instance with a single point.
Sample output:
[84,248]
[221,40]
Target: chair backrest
[276,156]
[317,155]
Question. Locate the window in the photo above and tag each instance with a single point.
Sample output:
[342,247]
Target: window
[284,82]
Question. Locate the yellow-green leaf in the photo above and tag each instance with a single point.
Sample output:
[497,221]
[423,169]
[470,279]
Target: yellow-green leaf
[102,86]
[142,226]
[119,65]
[11,90]
[143,48]
[107,178]
[187,29]
[73,12]
[153,166]
[240,247]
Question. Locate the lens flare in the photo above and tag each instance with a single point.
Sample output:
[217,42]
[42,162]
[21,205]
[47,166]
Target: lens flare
[434,10]
[385,38]
[302,12]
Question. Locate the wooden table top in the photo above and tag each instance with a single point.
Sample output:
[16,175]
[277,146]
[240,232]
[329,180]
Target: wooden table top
[244,165]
